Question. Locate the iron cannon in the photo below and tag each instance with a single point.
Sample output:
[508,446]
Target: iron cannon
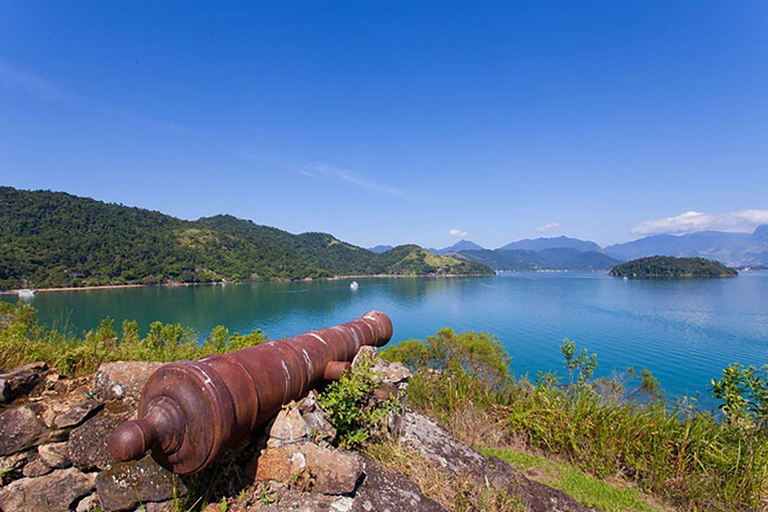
[190,412]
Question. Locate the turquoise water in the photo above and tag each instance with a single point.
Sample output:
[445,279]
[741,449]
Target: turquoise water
[685,331]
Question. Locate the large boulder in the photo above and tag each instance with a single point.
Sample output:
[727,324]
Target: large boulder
[54,492]
[88,443]
[77,413]
[122,380]
[20,430]
[21,380]
[129,484]
[323,470]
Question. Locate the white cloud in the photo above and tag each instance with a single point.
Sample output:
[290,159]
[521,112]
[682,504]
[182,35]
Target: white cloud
[458,232]
[547,227]
[742,221]
[14,79]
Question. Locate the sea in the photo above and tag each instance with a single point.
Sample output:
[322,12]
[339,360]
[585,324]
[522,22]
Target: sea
[684,330]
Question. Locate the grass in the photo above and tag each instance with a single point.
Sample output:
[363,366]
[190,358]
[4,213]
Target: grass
[24,340]
[684,458]
[459,492]
[585,489]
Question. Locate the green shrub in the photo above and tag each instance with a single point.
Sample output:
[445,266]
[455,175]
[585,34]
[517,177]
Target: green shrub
[353,410]
[24,340]
[686,457]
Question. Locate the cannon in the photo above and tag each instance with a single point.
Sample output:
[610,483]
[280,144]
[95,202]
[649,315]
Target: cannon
[190,412]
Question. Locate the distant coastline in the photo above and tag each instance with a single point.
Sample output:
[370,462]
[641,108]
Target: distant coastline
[227,283]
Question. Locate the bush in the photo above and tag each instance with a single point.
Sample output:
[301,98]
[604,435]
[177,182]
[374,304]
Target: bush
[353,410]
[688,458]
[24,340]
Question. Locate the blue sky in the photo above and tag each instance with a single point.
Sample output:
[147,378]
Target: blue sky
[397,121]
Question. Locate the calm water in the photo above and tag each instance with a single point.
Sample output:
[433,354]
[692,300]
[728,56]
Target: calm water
[685,331]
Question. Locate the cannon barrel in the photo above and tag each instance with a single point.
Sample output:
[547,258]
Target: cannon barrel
[190,412]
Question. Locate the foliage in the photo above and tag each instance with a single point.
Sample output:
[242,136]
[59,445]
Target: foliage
[353,410]
[584,363]
[53,239]
[24,340]
[744,393]
[668,266]
[685,457]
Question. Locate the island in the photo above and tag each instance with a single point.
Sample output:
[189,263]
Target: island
[668,266]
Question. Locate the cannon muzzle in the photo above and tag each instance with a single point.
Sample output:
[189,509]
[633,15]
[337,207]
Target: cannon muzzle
[192,411]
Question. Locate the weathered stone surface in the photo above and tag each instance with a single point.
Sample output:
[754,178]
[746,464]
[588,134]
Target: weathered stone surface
[88,504]
[122,380]
[36,467]
[328,471]
[21,380]
[55,455]
[289,426]
[20,430]
[54,492]
[12,463]
[129,483]
[383,489]
[320,427]
[77,413]
[436,444]
[88,442]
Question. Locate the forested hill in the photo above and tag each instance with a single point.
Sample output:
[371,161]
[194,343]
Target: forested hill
[52,239]
[668,266]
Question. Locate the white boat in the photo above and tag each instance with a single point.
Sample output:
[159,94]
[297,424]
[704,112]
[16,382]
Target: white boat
[353,286]
[26,293]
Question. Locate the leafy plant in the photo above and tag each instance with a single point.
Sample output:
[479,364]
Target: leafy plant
[356,414]
[744,393]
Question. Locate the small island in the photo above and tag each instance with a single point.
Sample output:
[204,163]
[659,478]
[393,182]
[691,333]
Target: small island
[668,266]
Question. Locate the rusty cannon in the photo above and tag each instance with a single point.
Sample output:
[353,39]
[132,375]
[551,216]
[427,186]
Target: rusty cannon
[190,412]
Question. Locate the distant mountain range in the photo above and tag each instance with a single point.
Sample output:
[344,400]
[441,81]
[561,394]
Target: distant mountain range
[559,253]
[734,249]
[554,258]
[54,239]
[560,242]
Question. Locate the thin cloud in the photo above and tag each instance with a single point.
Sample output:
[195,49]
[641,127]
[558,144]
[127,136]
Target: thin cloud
[350,177]
[458,232]
[547,227]
[320,170]
[742,221]
[15,79]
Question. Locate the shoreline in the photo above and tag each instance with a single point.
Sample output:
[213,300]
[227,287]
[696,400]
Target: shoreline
[226,283]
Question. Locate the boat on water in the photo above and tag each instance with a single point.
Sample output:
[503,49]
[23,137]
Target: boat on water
[354,286]
[26,293]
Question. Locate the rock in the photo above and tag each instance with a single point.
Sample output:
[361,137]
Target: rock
[55,455]
[129,483]
[319,426]
[77,413]
[20,430]
[12,463]
[289,427]
[37,467]
[54,492]
[21,380]
[328,471]
[88,442]
[122,380]
[394,373]
[88,504]
[436,444]
[383,489]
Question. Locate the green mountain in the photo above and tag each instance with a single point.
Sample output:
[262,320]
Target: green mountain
[52,239]
[668,266]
